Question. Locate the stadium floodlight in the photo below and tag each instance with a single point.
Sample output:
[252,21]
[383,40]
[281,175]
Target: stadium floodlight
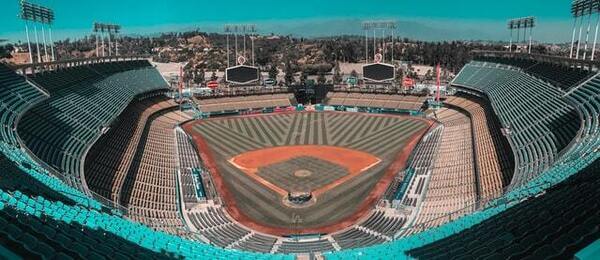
[383,25]
[104,29]
[580,9]
[522,23]
[44,16]
[244,30]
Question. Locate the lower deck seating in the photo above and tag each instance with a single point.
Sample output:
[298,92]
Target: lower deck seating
[375,100]
[244,103]
[452,185]
[494,159]
[149,190]
[109,160]
[305,246]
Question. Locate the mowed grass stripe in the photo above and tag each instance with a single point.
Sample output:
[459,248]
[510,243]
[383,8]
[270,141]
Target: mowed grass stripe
[300,129]
[383,145]
[253,124]
[227,135]
[350,131]
[292,130]
[266,130]
[385,132]
[374,123]
[337,128]
[336,133]
[308,126]
[215,143]
[247,124]
[324,124]
[353,131]
[388,146]
[238,127]
[276,133]
[277,126]
[335,117]
[318,129]
[395,121]
[336,120]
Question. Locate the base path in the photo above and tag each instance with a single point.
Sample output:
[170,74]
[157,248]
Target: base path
[356,162]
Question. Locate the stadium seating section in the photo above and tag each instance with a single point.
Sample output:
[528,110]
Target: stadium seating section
[353,99]
[225,104]
[561,76]
[83,100]
[107,128]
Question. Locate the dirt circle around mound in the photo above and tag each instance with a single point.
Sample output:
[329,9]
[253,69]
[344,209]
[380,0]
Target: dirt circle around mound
[303,173]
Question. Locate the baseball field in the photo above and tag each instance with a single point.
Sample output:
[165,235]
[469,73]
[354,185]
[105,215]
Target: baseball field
[345,161]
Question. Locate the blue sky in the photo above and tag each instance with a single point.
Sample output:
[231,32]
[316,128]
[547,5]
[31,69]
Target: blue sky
[458,19]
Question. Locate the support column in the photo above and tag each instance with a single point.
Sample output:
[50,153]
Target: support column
[374,44]
[595,36]
[51,43]
[103,48]
[393,46]
[28,43]
[587,35]
[116,45]
[252,43]
[227,44]
[579,38]
[236,46]
[366,46]
[37,44]
[97,46]
[511,40]
[573,38]
[109,45]
[45,44]
[530,39]
[518,38]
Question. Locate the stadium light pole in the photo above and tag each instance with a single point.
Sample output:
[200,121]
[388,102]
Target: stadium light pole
[28,42]
[595,36]
[580,9]
[51,43]
[246,30]
[382,25]
[37,15]
[227,31]
[45,45]
[524,23]
[587,33]
[37,44]
[573,38]
[510,27]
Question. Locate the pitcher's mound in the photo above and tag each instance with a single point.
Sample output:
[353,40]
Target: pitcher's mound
[302,173]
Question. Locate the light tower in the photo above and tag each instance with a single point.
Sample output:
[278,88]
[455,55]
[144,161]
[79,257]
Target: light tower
[105,30]
[581,9]
[38,15]
[522,23]
[240,73]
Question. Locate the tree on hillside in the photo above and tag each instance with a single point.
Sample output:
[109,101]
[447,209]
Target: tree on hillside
[303,77]
[337,77]
[213,76]
[321,78]
[354,74]
[289,74]
[273,72]
[199,76]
